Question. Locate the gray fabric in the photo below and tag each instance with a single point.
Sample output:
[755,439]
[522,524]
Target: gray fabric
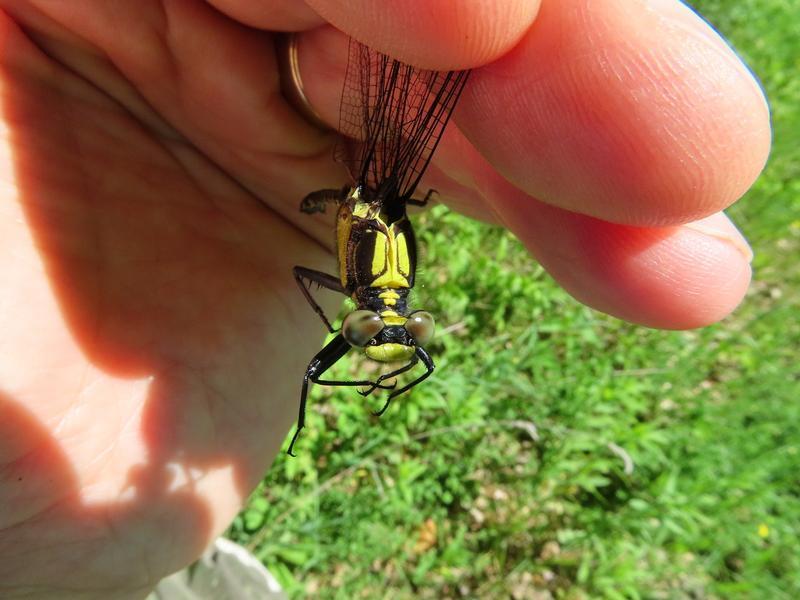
[226,571]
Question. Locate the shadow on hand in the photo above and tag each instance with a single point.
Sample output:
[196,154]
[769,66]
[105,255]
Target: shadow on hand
[50,539]
[165,271]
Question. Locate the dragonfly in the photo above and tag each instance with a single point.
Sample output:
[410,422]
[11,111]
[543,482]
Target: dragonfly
[391,118]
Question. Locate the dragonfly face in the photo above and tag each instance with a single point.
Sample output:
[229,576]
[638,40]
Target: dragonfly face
[391,341]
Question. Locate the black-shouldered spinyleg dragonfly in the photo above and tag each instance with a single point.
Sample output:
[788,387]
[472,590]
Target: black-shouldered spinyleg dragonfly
[391,119]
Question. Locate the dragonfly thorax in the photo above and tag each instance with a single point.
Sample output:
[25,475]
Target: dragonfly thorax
[373,252]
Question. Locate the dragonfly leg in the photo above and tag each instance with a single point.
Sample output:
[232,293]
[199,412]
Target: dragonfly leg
[431,195]
[302,274]
[324,360]
[403,369]
[317,202]
[369,382]
[386,376]
[429,366]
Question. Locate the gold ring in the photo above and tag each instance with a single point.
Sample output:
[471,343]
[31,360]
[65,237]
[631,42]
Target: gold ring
[291,82]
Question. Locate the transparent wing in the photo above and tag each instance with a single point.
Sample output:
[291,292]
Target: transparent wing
[393,116]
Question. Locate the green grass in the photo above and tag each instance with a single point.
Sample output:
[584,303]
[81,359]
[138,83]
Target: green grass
[504,472]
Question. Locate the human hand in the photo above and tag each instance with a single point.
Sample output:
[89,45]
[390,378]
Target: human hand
[153,338]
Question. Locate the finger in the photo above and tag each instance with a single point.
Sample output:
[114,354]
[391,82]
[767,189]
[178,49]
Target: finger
[676,277]
[434,34]
[277,15]
[633,112]
[672,278]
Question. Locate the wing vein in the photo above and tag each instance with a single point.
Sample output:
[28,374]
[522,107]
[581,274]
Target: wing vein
[392,118]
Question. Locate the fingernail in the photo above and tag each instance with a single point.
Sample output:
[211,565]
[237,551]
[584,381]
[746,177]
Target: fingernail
[722,228]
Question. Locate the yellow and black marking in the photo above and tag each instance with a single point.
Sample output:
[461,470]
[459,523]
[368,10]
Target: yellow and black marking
[375,253]
[398,113]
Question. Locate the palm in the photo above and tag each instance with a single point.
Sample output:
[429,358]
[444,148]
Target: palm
[156,294]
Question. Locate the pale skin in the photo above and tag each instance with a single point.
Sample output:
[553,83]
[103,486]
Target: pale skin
[152,339]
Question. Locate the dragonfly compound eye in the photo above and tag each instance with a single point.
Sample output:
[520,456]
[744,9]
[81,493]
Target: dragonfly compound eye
[420,325]
[360,326]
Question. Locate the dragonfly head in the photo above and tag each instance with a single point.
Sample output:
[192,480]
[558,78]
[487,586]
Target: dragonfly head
[388,338]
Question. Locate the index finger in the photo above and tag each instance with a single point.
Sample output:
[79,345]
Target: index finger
[635,113]
[433,34]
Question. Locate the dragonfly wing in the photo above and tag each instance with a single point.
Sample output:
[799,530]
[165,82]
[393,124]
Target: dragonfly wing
[392,117]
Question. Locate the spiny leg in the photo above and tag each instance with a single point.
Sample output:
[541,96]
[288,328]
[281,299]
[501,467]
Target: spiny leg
[369,382]
[429,366]
[386,376]
[321,279]
[432,193]
[317,202]
[399,371]
[324,360]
